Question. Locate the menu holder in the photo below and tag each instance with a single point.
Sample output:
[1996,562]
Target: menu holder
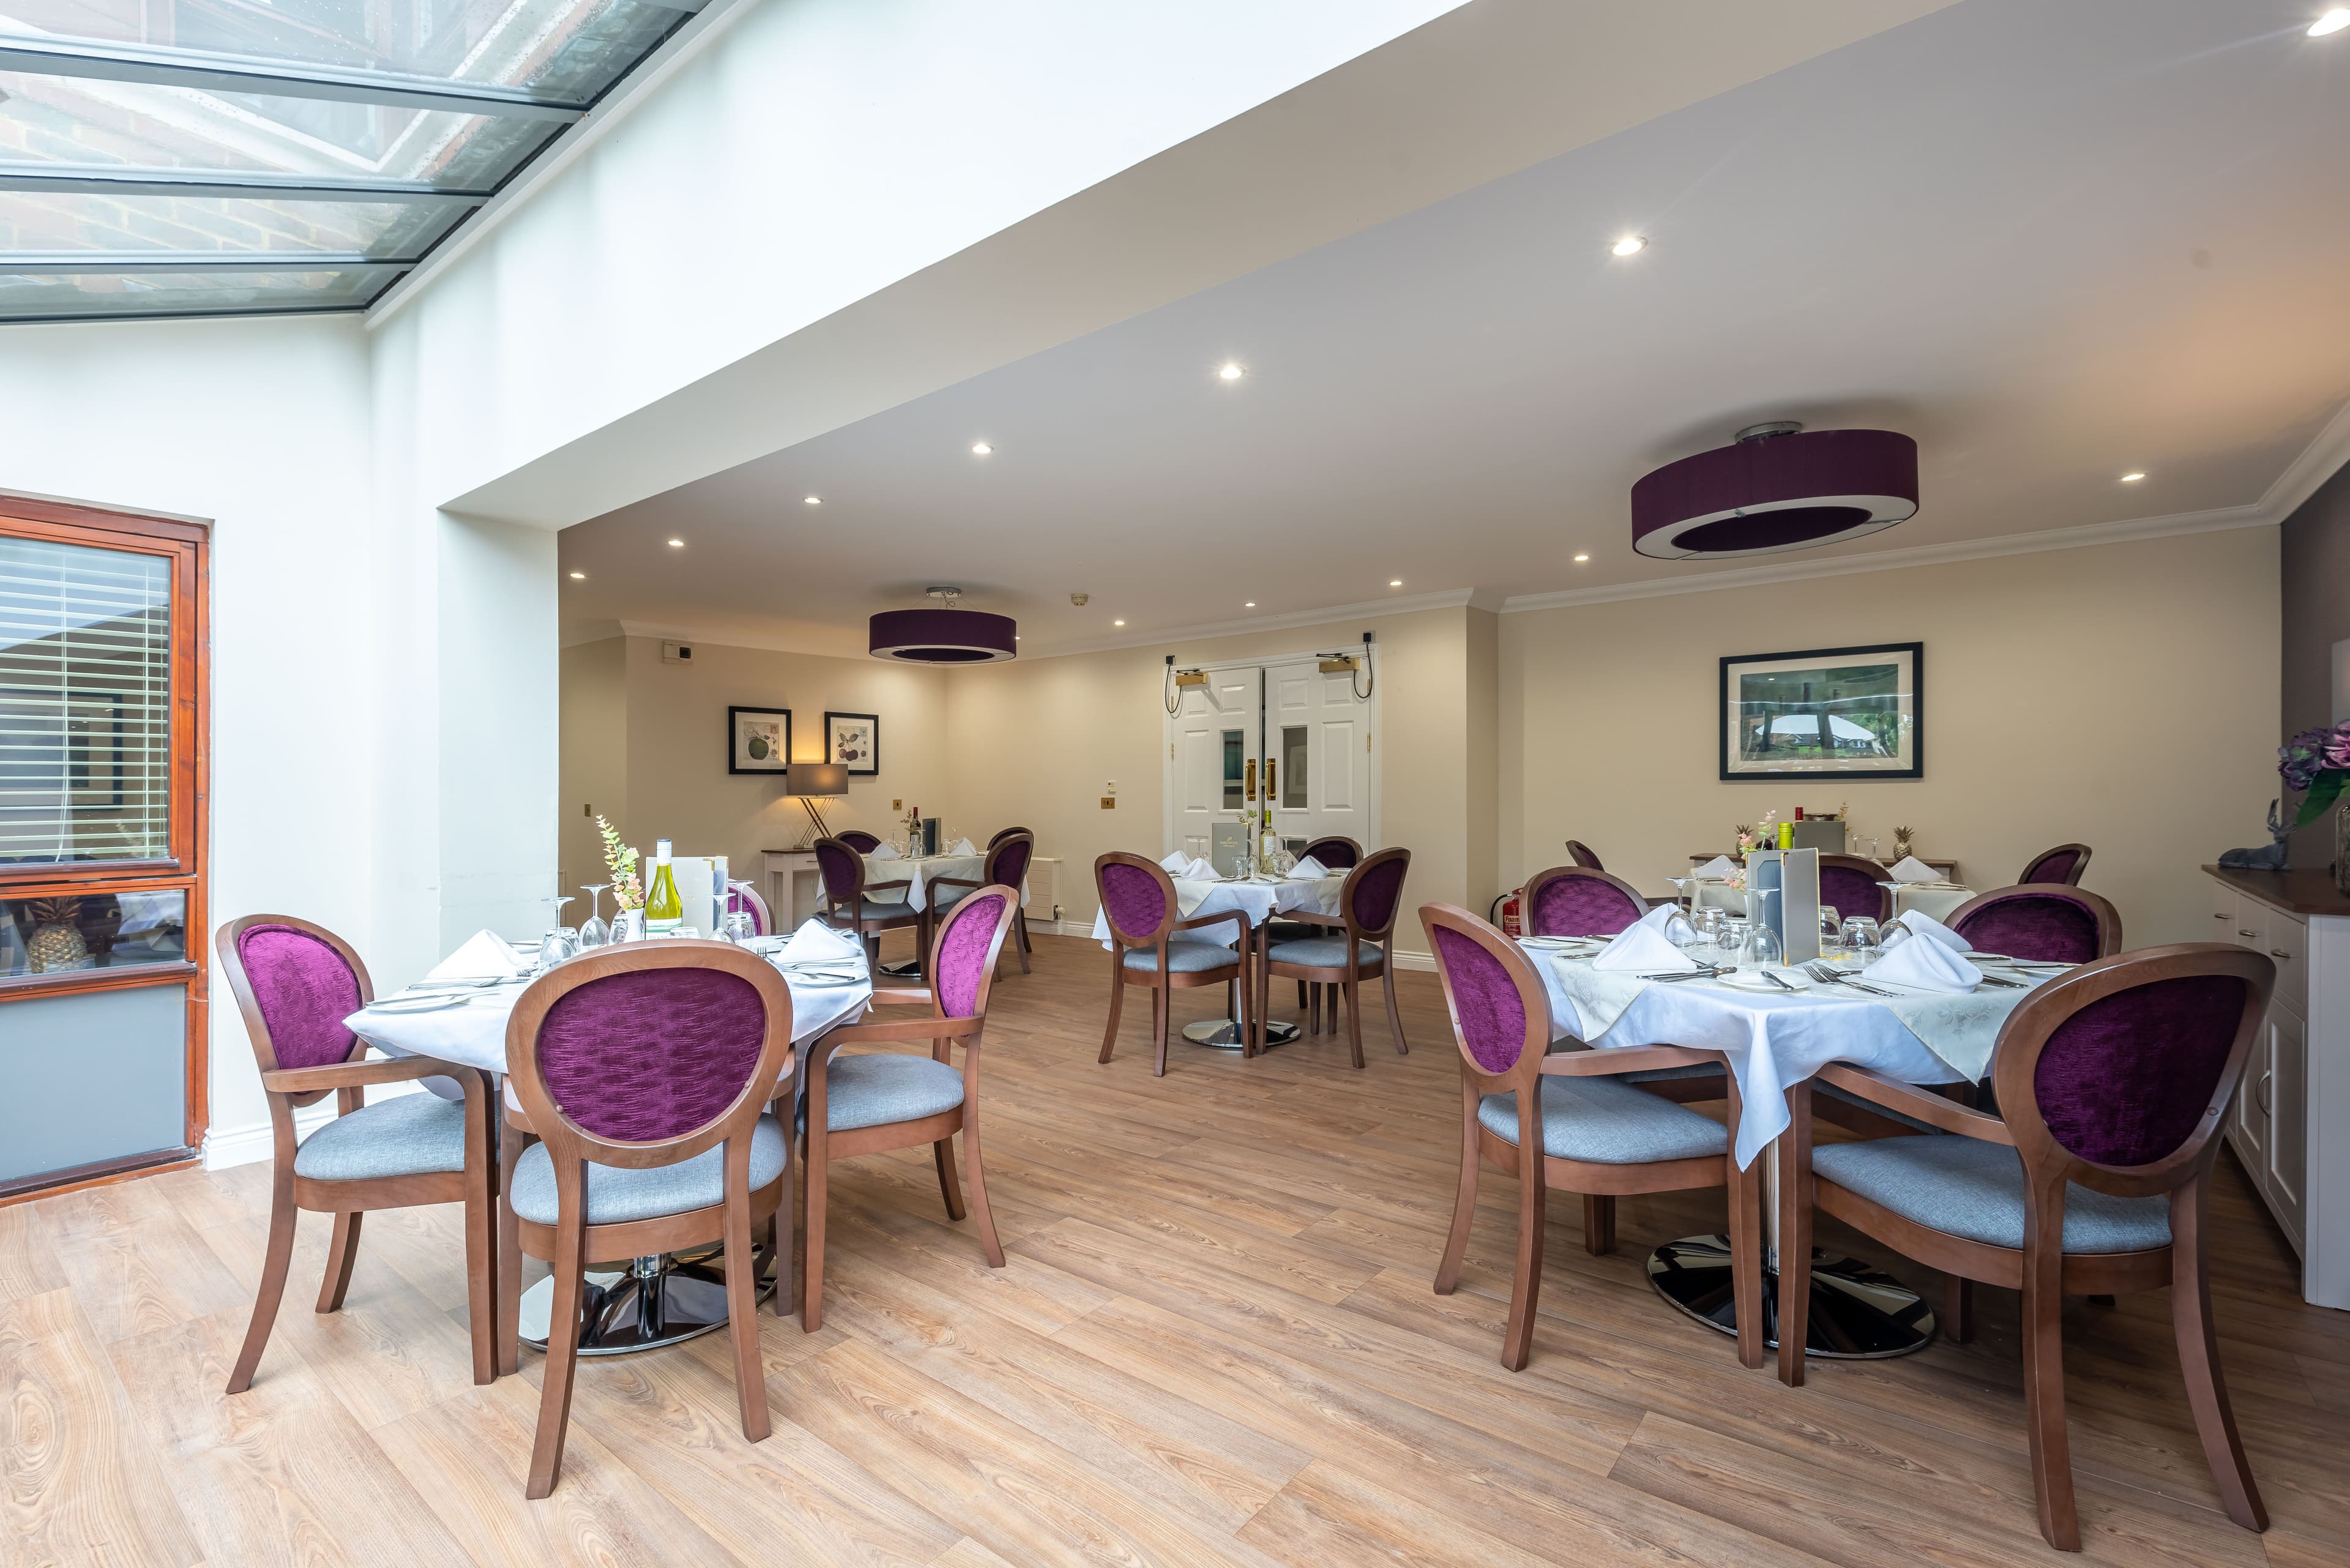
[1228,847]
[1782,893]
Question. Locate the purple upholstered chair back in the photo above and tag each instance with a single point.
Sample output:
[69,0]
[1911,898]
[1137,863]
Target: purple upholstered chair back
[1482,988]
[1004,833]
[1573,901]
[1135,900]
[649,1056]
[740,899]
[2051,923]
[843,872]
[965,949]
[1849,890]
[1335,853]
[1375,891]
[1007,859]
[303,989]
[2063,864]
[856,838]
[1581,854]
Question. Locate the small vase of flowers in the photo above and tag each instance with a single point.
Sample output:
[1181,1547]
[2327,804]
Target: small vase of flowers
[2318,763]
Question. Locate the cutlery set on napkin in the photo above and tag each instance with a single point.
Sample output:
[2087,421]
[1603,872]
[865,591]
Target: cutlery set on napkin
[816,952]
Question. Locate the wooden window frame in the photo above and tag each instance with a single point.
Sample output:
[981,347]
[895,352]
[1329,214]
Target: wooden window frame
[187,546]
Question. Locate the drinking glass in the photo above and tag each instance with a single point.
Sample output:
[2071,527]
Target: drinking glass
[1861,938]
[559,944]
[1732,938]
[1865,847]
[1706,920]
[1762,949]
[739,928]
[1831,931]
[595,933]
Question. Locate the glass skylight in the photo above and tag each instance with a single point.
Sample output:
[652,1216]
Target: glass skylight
[208,157]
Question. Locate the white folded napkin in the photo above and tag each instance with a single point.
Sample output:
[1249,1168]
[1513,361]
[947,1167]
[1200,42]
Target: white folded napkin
[964,847]
[1719,865]
[1190,866]
[816,942]
[1308,870]
[1643,948]
[1925,925]
[485,956]
[1926,965]
[885,852]
[1912,869]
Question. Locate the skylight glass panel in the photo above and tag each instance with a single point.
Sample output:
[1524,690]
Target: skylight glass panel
[79,297]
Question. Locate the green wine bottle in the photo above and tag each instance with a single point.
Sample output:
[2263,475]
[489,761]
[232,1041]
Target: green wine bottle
[664,911]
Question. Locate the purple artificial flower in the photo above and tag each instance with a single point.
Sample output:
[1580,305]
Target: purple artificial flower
[2337,748]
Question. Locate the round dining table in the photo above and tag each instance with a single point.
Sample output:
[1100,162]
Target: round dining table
[655,1301]
[1256,899]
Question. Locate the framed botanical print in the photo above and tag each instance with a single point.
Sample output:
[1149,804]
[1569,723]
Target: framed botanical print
[1825,714]
[853,739]
[759,740]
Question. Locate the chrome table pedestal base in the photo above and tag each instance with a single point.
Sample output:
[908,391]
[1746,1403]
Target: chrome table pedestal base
[661,1299]
[1856,1312]
[1224,1034]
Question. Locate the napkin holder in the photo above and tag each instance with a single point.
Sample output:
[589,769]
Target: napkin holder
[1228,847]
[1782,893]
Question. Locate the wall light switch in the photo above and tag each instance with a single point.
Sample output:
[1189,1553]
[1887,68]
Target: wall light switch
[1110,788]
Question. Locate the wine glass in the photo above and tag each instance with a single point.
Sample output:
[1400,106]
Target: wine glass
[739,928]
[1861,938]
[1831,931]
[1762,949]
[595,933]
[1866,847]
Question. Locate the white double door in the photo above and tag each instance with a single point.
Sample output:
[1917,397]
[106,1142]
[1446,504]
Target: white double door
[1313,729]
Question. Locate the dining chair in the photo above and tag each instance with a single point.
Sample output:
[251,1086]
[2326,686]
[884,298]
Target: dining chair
[1147,949]
[1581,854]
[1362,949]
[1334,853]
[2097,1178]
[856,838]
[869,1102]
[1848,884]
[1579,901]
[848,901]
[1008,854]
[742,897]
[640,1078]
[2049,921]
[295,983]
[2063,864]
[1597,1134]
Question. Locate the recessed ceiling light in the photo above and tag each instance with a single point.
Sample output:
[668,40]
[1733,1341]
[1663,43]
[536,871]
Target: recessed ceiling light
[2334,21]
[1582,558]
[1251,604]
[1231,372]
[812,500]
[1629,246]
[677,544]
[1118,623]
[980,449]
[2132,477]
[1394,582]
[578,577]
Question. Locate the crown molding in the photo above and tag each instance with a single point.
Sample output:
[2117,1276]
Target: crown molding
[1402,604]
[731,638]
[2320,460]
[2214,520]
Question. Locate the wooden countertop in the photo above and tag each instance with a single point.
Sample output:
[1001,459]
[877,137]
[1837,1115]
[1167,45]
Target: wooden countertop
[2303,891]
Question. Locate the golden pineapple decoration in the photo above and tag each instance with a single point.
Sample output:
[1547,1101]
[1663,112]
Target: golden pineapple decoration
[56,943]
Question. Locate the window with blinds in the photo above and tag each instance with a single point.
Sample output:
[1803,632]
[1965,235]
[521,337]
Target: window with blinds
[85,704]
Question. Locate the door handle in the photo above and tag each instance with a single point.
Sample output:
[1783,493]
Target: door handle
[2215,917]
[2279,952]
[1271,797]
[1248,786]
[2261,1093]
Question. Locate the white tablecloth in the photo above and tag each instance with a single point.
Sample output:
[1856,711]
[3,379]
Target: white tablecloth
[1257,899]
[921,874]
[1772,1042]
[1936,901]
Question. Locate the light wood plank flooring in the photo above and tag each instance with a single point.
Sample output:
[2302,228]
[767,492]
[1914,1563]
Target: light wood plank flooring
[1215,1342]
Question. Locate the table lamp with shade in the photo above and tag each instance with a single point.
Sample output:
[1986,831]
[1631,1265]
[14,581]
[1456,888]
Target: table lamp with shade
[810,783]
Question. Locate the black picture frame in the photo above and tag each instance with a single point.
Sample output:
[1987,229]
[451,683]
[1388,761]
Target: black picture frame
[1907,760]
[740,748]
[865,766]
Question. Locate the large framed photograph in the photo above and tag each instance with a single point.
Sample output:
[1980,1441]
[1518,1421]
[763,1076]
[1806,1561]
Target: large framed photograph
[758,740]
[1825,714]
[853,739]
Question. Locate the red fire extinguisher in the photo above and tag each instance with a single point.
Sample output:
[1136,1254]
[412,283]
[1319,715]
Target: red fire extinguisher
[1511,905]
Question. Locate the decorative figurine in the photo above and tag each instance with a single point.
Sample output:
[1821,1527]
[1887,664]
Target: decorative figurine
[2269,859]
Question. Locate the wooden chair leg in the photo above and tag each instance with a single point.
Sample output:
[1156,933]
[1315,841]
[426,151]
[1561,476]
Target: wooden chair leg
[1020,931]
[341,1253]
[1162,1009]
[1116,1001]
[1301,996]
[2043,1393]
[949,1188]
[562,1358]
[509,1291]
[1794,1156]
[1598,1224]
[1395,1019]
[1525,1283]
[1465,1199]
[743,1316]
[278,1258]
[782,1226]
[2199,1358]
[1745,1195]
[812,1267]
[982,1217]
[1313,1008]
[481,1276]
[1352,989]
[1958,1309]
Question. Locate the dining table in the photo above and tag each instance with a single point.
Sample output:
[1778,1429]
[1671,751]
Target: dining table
[1258,900]
[658,1300]
[1771,1041]
[921,873]
[1939,900]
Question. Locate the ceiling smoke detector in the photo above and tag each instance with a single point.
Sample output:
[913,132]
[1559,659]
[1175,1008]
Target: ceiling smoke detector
[1778,487]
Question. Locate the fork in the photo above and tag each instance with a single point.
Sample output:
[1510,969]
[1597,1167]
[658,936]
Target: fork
[1822,973]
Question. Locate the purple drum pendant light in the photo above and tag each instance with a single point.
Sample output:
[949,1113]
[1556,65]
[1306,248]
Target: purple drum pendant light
[1778,488]
[944,633]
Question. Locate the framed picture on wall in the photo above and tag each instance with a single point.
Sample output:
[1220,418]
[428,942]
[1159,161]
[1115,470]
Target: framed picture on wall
[853,739]
[758,740]
[1825,714]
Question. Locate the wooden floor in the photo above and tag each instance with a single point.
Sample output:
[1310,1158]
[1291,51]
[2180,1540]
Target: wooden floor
[1215,1342]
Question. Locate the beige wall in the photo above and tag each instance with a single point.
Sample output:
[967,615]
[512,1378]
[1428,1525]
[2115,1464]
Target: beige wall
[1035,741]
[2125,696]
[668,722]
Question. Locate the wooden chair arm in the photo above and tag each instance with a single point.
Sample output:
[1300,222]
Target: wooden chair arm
[1196,921]
[901,995]
[352,1075]
[906,1029]
[1304,918]
[873,887]
[955,882]
[1912,1101]
[1591,1063]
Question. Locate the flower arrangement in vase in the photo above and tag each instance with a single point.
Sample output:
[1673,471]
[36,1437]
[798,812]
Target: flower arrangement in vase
[2318,762]
[621,865]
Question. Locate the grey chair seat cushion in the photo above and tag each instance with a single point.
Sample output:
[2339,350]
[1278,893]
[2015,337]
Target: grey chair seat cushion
[1608,1123]
[1184,957]
[414,1135]
[887,1086]
[1974,1189]
[617,1196]
[1325,952]
[888,910]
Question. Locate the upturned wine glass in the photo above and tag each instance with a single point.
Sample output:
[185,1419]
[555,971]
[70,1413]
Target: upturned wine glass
[595,933]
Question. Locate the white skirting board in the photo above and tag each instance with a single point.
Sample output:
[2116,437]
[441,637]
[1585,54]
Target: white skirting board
[225,1146]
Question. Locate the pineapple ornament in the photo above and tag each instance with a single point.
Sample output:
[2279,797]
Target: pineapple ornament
[1904,843]
[56,941]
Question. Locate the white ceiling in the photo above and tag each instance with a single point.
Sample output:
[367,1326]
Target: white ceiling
[2054,243]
